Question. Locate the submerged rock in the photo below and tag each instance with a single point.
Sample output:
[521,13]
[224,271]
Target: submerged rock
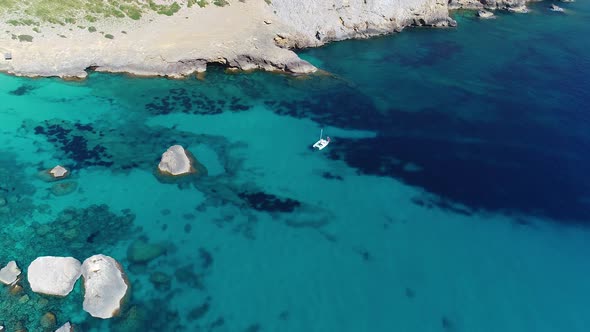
[64,188]
[9,274]
[53,275]
[104,286]
[141,251]
[48,321]
[67,327]
[58,172]
[175,161]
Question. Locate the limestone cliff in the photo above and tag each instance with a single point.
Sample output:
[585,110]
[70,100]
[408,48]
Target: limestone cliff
[317,22]
[245,35]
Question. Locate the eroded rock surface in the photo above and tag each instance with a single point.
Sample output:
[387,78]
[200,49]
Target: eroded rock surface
[10,273]
[175,161]
[53,275]
[104,286]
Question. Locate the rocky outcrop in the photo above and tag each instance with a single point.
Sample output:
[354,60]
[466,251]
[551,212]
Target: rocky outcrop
[53,275]
[246,35]
[104,286]
[10,273]
[58,172]
[67,327]
[317,22]
[512,5]
[175,161]
[485,14]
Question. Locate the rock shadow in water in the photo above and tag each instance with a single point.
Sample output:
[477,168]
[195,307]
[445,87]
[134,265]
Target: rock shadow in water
[22,90]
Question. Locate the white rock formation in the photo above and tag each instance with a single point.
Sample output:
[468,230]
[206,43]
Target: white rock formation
[53,275]
[175,161]
[67,327]
[485,14]
[104,286]
[58,172]
[9,274]
[317,22]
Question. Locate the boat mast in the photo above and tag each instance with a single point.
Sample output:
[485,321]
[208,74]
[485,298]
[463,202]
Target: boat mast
[321,133]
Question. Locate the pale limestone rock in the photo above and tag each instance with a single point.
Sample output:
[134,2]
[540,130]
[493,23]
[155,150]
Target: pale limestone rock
[519,9]
[58,172]
[53,275]
[175,161]
[104,286]
[485,14]
[67,327]
[315,22]
[9,274]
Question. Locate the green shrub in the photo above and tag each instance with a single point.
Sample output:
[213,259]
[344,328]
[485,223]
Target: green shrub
[92,29]
[109,36]
[26,38]
[131,11]
[220,3]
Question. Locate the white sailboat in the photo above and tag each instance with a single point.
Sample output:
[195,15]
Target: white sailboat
[321,143]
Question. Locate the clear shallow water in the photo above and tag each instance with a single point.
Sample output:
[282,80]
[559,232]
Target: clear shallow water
[453,197]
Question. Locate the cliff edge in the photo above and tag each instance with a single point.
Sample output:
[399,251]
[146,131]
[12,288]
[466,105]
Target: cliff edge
[175,39]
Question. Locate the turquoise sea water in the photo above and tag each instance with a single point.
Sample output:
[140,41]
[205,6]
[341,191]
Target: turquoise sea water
[454,195]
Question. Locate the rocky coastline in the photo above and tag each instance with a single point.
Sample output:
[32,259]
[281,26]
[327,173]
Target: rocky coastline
[244,35]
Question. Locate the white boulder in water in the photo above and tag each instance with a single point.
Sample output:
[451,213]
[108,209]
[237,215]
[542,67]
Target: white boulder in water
[485,14]
[175,161]
[555,8]
[67,327]
[9,274]
[58,172]
[53,275]
[104,286]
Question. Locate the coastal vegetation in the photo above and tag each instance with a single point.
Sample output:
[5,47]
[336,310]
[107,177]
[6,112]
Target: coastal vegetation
[34,12]
[25,38]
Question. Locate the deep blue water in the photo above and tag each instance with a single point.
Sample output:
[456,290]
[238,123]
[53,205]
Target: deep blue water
[453,196]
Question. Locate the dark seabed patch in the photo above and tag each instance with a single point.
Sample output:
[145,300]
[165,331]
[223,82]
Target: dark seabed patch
[426,54]
[192,102]
[477,168]
[22,90]
[268,202]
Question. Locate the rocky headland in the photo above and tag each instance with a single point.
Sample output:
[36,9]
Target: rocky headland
[179,38]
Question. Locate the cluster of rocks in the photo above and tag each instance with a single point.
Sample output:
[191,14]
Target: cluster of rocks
[57,174]
[485,14]
[105,283]
[515,6]
[10,275]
